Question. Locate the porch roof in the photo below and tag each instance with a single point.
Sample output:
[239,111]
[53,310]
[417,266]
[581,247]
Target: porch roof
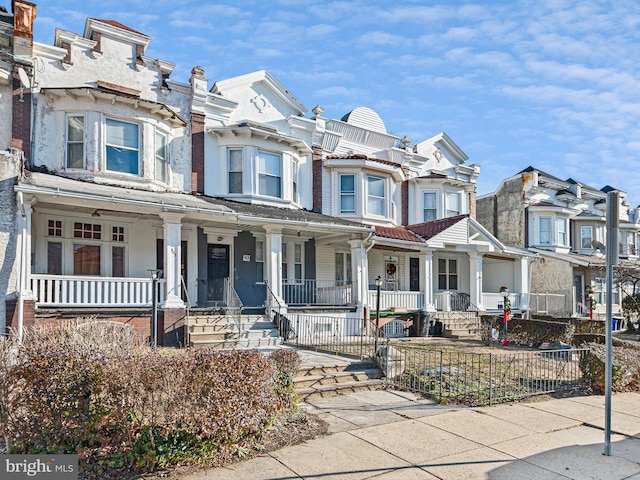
[72,192]
[573,258]
[397,233]
[429,230]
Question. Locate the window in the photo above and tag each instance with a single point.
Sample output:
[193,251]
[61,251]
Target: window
[54,228]
[562,231]
[294,181]
[586,237]
[54,258]
[347,194]
[343,269]
[259,260]
[122,147]
[161,157]
[86,259]
[235,170]
[545,230]
[87,230]
[117,234]
[75,141]
[297,261]
[429,206]
[117,261]
[269,175]
[375,196]
[453,204]
[447,274]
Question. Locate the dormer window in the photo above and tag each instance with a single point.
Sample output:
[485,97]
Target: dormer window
[123,151]
[75,141]
[375,196]
[269,174]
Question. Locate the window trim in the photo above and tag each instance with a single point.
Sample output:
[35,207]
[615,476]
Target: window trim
[138,149]
[370,196]
[69,142]
[262,174]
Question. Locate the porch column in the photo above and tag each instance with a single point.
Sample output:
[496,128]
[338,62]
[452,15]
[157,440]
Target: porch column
[426,258]
[522,282]
[25,256]
[475,279]
[359,272]
[172,253]
[273,259]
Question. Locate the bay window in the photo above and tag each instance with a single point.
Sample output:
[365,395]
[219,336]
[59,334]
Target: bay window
[453,205]
[75,141]
[586,237]
[545,230]
[161,157]
[347,194]
[430,209]
[235,170]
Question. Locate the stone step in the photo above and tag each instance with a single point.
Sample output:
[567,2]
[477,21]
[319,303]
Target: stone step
[355,366]
[217,319]
[236,344]
[210,336]
[324,391]
[335,378]
[208,328]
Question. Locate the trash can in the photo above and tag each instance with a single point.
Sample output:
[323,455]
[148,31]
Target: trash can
[420,327]
[614,324]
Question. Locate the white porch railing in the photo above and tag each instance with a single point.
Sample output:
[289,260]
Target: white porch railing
[87,291]
[316,292]
[495,301]
[402,299]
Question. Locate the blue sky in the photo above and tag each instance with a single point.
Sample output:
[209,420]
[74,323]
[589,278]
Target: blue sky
[549,83]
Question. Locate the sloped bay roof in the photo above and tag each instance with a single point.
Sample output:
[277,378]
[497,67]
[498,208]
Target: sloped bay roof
[429,230]
[397,233]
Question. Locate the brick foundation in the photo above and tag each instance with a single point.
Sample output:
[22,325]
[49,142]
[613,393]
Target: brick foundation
[11,314]
[173,326]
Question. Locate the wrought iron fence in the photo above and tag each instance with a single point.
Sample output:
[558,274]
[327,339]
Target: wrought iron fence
[483,378]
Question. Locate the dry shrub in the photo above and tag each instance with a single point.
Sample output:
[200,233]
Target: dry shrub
[93,388]
[286,364]
[528,332]
[625,362]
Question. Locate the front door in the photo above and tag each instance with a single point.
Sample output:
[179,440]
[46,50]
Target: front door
[217,271]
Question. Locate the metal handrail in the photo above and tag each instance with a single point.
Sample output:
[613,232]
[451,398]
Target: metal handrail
[232,301]
[274,308]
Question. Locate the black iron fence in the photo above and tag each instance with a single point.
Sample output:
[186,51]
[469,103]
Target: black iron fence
[483,378]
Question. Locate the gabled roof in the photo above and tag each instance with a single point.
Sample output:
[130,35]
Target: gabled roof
[429,230]
[397,233]
[116,24]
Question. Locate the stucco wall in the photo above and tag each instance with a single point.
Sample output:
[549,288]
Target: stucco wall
[549,275]
[8,230]
[503,213]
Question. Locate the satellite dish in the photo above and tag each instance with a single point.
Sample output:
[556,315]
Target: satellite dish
[24,78]
[598,246]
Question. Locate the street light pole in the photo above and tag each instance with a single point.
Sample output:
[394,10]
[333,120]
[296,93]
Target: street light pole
[375,340]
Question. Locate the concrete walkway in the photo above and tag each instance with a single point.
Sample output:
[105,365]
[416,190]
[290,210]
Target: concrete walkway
[390,435]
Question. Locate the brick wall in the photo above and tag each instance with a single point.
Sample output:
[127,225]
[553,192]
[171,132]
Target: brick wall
[405,202]
[11,312]
[21,121]
[173,325]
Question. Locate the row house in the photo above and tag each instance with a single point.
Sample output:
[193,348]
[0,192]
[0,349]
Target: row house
[122,180]
[564,222]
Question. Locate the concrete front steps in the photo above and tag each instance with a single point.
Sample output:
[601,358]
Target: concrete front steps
[458,325]
[222,332]
[318,381]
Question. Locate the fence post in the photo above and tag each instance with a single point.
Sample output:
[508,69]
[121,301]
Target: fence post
[298,331]
[490,378]
[440,375]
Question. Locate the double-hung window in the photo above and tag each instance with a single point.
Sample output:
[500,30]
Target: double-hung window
[430,208]
[161,157]
[545,230]
[54,247]
[375,196]
[586,236]
[235,170]
[347,194]
[294,181]
[343,269]
[123,147]
[453,204]
[86,255]
[269,174]
[562,231]
[75,141]
[447,274]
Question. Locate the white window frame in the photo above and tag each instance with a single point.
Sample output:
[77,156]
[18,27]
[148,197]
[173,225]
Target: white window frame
[295,171]
[347,193]
[231,169]
[382,200]
[547,230]
[561,226]
[107,145]
[343,273]
[290,261]
[448,273]
[70,142]
[424,206]
[450,212]
[161,162]
[260,259]
[264,173]
[583,237]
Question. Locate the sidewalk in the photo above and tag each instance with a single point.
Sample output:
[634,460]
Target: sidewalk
[390,435]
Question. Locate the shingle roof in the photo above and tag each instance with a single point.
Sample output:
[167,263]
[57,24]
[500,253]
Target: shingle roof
[429,230]
[397,233]
[360,156]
